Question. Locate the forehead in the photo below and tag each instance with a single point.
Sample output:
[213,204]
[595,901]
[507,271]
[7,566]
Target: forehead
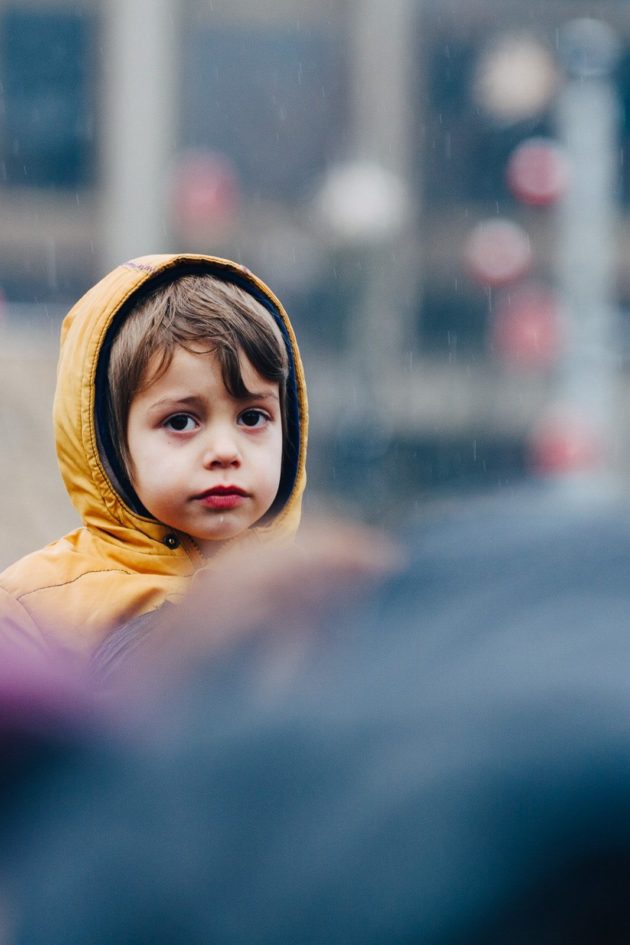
[199,367]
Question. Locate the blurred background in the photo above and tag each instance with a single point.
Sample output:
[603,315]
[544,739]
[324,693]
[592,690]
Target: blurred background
[438,191]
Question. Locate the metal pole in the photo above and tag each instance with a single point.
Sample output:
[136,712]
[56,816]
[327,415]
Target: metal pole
[381,37]
[588,123]
[382,60]
[139,130]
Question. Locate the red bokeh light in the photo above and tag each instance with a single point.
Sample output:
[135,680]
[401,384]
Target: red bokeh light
[525,327]
[497,252]
[537,172]
[565,445]
[205,190]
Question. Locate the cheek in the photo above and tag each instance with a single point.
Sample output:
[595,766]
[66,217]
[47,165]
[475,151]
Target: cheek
[147,462]
[278,454]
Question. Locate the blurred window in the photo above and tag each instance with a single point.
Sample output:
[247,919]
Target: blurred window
[465,150]
[453,320]
[46,137]
[269,100]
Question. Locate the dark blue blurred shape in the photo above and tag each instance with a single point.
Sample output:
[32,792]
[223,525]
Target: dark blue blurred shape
[47,138]
[451,766]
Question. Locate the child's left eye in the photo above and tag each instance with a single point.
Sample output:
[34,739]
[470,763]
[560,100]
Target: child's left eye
[253,418]
[180,423]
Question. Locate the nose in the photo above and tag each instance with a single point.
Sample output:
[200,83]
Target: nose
[221,452]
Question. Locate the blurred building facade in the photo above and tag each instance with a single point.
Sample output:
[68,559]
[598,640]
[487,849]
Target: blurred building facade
[347,150]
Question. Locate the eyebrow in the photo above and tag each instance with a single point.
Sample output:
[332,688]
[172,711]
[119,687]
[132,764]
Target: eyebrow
[195,400]
[270,395]
[176,402]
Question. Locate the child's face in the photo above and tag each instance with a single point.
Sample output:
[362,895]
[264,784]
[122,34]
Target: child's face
[201,461]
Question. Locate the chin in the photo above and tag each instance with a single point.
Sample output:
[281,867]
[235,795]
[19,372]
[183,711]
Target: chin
[218,537]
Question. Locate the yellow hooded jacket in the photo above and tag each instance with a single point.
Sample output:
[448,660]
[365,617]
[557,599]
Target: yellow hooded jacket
[122,563]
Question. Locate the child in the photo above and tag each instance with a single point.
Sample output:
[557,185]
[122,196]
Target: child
[181,424]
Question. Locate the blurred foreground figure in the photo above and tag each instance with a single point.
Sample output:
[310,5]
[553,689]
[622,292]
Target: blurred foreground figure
[444,757]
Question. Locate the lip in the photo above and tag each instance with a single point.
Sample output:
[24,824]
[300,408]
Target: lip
[222,497]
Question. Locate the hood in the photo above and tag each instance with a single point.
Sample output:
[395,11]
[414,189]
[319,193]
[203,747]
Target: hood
[87,466]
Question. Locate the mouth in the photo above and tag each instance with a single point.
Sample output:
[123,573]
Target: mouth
[222,497]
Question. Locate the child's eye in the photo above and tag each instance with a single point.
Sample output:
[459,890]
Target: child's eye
[253,418]
[180,423]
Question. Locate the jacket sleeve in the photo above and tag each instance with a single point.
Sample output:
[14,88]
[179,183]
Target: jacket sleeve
[17,627]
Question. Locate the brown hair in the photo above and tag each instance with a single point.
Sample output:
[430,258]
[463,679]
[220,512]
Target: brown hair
[185,312]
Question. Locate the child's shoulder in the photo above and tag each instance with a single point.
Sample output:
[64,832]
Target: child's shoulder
[51,565]
[74,592]
[25,587]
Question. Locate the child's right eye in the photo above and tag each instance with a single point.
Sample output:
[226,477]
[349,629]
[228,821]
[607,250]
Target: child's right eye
[180,423]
